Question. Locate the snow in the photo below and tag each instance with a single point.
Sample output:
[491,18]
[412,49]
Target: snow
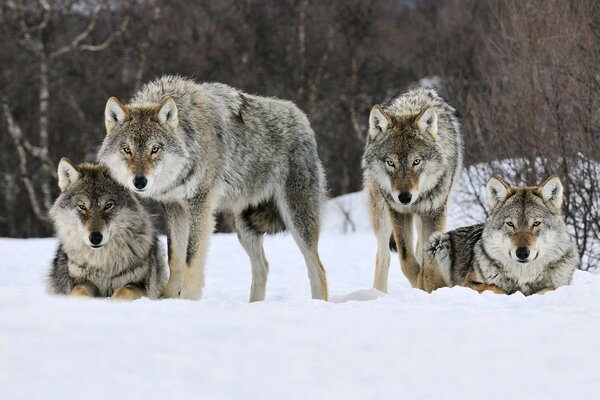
[452,344]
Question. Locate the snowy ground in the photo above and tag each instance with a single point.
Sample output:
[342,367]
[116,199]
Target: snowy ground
[452,344]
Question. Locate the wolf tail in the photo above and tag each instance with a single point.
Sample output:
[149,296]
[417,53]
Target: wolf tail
[264,218]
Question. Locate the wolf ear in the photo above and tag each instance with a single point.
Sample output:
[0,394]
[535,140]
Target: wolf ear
[427,122]
[167,113]
[67,173]
[378,122]
[114,113]
[551,191]
[497,191]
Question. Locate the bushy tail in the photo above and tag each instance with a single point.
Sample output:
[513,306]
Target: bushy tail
[264,218]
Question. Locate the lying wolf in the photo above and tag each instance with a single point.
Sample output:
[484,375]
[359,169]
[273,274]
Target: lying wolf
[203,148]
[523,246]
[107,245]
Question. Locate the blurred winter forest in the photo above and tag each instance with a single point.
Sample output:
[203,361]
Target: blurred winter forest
[523,75]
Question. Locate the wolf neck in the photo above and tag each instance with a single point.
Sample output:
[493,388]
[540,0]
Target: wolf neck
[123,249]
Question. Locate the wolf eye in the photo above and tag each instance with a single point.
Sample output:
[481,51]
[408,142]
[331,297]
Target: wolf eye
[155,149]
[81,207]
[510,224]
[417,161]
[390,163]
[109,205]
[127,150]
[537,223]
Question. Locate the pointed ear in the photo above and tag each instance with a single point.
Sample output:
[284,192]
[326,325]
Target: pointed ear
[167,113]
[67,174]
[497,191]
[114,113]
[427,122]
[378,122]
[551,191]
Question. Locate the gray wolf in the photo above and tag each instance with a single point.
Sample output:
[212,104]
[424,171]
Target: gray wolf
[107,245]
[522,247]
[412,159]
[204,148]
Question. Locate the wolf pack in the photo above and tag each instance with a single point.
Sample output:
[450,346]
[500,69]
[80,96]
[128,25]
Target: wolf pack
[199,149]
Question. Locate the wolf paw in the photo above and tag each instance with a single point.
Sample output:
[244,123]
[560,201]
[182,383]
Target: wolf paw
[80,291]
[127,293]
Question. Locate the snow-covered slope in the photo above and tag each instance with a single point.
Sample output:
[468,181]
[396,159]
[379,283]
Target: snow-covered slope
[452,344]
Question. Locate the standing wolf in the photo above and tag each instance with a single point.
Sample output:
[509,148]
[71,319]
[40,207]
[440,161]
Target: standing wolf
[412,159]
[523,246]
[202,148]
[107,242]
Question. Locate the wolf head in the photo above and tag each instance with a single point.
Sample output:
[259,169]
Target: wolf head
[525,223]
[143,146]
[403,154]
[92,207]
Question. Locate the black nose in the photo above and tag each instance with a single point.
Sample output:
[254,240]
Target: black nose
[522,253]
[404,197]
[95,238]
[140,182]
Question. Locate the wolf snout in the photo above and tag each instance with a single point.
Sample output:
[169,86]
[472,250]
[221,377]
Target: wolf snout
[405,197]
[140,182]
[522,253]
[96,239]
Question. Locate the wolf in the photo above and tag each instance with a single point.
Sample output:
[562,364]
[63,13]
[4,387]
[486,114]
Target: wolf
[412,159]
[107,245]
[522,247]
[201,148]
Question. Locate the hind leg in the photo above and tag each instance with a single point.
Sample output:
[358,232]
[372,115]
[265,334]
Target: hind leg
[380,222]
[300,210]
[252,242]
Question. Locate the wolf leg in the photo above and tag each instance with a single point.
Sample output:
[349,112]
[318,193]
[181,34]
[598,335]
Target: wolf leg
[252,242]
[546,290]
[382,227]
[434,221]
[437,263]
[128,292]
[482,287]
[202,226]
[300,210]
[177,217]
[84,290]
[402,226]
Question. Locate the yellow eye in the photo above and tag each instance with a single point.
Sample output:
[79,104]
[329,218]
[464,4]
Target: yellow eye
[510,224]
[155,149]
[537,223]
[127,150]
[417,161]
[390,163]
[109,205]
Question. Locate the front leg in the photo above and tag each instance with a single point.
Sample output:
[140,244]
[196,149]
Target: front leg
[402,226]
[546,290]
[431,222]
[177,218]
[482,287]
[84,289]
[129,292]
[202,226]
[380,222]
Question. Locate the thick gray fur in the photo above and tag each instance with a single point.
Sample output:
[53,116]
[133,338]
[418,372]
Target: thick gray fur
[225,150]
[131,256]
